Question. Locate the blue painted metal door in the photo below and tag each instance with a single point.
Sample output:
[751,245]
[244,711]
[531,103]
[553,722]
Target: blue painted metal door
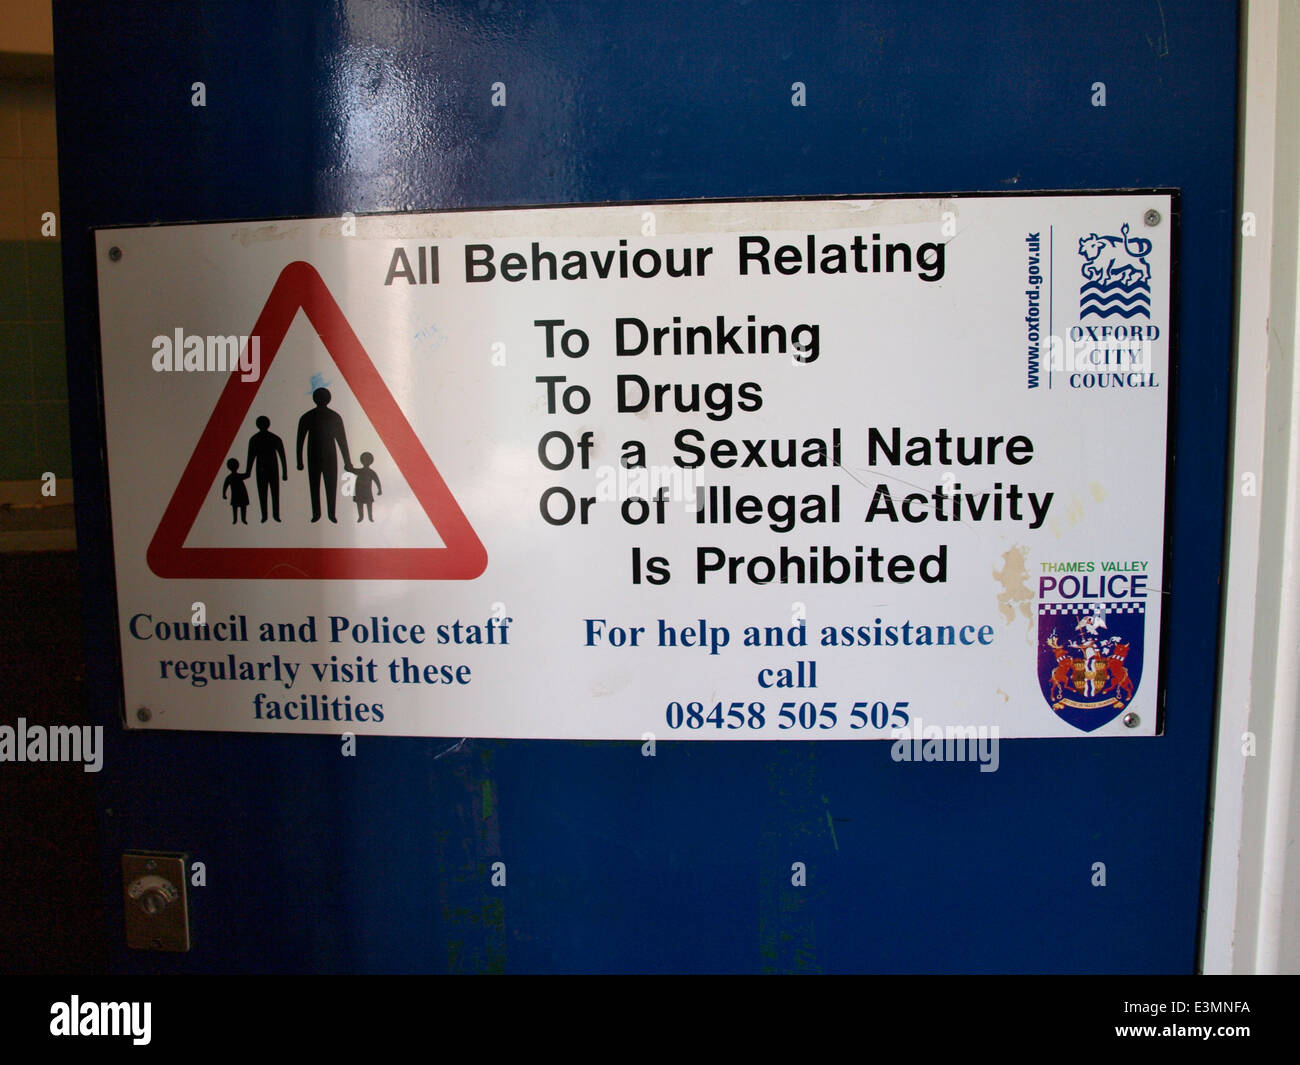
[679,862]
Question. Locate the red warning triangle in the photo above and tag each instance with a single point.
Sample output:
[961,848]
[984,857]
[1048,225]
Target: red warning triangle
[300,287]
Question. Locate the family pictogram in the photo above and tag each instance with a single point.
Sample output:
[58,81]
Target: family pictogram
[323,439]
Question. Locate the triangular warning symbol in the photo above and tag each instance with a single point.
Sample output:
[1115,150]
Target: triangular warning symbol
[300,287]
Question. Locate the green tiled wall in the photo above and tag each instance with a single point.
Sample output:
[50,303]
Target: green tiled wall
[33,371]
[33,363]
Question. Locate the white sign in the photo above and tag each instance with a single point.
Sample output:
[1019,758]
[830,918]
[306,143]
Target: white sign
[831,469]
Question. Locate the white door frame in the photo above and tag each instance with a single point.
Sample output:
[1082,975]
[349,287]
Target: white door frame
[1252,917]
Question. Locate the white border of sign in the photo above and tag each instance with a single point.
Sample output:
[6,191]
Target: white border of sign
[1120,434]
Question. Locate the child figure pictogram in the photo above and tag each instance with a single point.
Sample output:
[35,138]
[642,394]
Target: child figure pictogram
[238,492]
[366,480]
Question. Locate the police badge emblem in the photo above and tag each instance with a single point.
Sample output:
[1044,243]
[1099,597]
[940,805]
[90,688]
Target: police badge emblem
[1090,659]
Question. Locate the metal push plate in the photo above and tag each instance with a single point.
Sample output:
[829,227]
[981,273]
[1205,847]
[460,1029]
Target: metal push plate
[155,901]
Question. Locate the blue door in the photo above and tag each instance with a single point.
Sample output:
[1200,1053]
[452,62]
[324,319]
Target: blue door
[681,862]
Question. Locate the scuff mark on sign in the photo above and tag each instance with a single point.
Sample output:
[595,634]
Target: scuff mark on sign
[247,235]
[453,748]
[1016,595]
[1160,46]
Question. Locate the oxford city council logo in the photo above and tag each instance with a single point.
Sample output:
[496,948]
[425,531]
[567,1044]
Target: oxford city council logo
[1090,659]
[1116,276]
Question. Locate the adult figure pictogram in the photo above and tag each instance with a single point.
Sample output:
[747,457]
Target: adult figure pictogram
[266,460]
[322,431]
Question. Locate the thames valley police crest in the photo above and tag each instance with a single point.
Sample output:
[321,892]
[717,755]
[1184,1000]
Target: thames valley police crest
[1091,644]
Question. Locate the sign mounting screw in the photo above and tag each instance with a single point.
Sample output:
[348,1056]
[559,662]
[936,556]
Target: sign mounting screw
[1131,720]
[143,714]
[114,253]
[1152,217]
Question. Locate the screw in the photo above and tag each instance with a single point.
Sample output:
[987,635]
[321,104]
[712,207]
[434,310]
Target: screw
[143,714]
[151,865]
[1152,217]
[1131,720]
[114,253]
